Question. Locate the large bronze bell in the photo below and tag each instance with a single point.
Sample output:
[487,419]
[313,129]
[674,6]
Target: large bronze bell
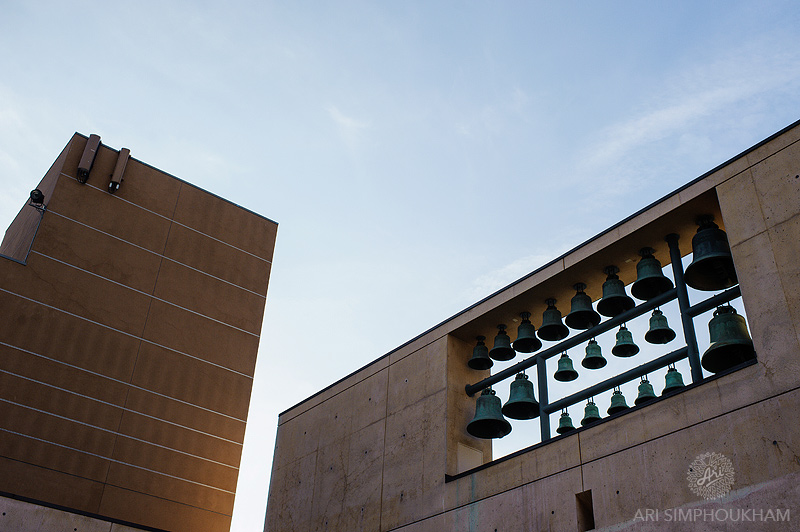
[624,346]
[565,370]
[594,356]
[618,403]
[488,421]
[552,329]
[674,381]
[527,341]
[646,392]
[565,423]
[521,403]
[480,355]
[712,264]
[590,414]
[581,315]
[659,332]
[502,349]
[615,301]
[730,342]
[650,280]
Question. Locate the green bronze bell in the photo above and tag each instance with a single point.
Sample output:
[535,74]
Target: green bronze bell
[565,370]
[565,423]
[730,342]
[502,349]
[552,329]
[618,403]
[521,403]
[650,280]
[581,315]
[488,421]
[624,346]
[659,332]
[594,357]
[480,356]
[646,393]
[674,381]
[527,341]
[712,264]
[590,414]
[615,301]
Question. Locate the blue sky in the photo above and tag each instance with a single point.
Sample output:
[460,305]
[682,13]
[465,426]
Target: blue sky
[417,155]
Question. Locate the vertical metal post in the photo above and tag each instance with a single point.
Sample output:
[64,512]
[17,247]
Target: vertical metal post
[544,413]
[683,303]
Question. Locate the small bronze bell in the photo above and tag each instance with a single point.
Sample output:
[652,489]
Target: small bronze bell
[650,280]
[712,264]
[552,329]
[646,392]
[502,349]
[480,356]
[730,342]
[590,414]
[581,315]
[594,357]
[565,370]
[527,341]
[624,346]
[615,301]
[521,403]
[659,332]
[565,423]
[488,421]
[674,381]
[618,403]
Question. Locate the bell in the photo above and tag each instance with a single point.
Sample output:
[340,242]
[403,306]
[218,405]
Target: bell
[646,393]
[552,329]
[581,315]
[615,301]
[502,349]
[527,341]
[488,421]
[594,356]
[521,403]
[590,414]
[624,346]
[650,280]
[674,381]
[565,423]
[712,264]
[480,356]
[659,332]
[730,342]
[618,403]
[565,371]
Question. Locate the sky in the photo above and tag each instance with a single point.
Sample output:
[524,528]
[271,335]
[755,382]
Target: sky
[418,156]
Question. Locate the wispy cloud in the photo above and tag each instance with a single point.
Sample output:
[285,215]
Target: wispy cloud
[493,281]
[350,128]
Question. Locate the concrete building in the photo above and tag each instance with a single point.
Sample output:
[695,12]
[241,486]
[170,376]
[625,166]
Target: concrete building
[132,308]
[387,448]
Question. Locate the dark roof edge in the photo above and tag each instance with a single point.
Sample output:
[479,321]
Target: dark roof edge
[598,235]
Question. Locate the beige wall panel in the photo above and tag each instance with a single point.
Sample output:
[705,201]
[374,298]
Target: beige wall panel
[218,259]
[550,459]
[108,257]
[418,375]
[19,516]
[101,210]
[498,478]
[367,401]
[293,495]
[184,439]
[362,498]
[56,487]
[192,380]
[437,523]
[334,418]
[506,511]
[551,501]
[67,338]
[209,296]
[296,438]
[741,209]
[78,292]
[783,238]
[773,146]
[778,186]
[225,221]
[186,332]
[127,505]
[330,484]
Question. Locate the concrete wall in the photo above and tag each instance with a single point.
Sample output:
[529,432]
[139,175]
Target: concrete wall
[128,348]
[371,452]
